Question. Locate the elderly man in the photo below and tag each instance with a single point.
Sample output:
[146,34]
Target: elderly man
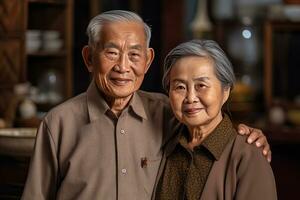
[107,143]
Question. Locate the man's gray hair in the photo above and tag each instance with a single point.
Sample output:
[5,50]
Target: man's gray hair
[96,24]
[201,48]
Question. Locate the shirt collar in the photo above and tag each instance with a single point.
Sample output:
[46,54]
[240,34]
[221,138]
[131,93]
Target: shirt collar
[216,142]
[95,102]
[137,106]
[97,106]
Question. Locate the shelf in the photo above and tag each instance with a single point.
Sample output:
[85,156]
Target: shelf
[48,2]
[281,42]
[57,16]
[48,54]
[17,141]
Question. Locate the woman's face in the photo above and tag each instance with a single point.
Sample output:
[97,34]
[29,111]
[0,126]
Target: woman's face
[196,95]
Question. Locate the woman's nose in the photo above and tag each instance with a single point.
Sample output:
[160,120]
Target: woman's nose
[191,96]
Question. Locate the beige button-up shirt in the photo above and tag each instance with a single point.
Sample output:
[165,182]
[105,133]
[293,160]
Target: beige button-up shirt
[83,152]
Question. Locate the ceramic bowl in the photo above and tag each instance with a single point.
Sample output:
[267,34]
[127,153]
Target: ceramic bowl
[51,35]
[292,12]
[53,45]
[33,34]
[33,45]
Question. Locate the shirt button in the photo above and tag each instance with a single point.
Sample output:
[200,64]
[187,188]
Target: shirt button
[124,171]
[122,131]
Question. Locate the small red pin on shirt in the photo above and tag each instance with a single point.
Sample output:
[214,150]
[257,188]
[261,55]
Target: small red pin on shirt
[144,162]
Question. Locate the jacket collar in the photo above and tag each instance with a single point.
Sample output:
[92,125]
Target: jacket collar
[215,143]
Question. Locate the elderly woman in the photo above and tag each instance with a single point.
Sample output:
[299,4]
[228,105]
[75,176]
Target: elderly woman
[207,159]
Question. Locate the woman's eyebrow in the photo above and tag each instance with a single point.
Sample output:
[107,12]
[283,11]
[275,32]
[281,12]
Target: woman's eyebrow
[202,78]
[178,80]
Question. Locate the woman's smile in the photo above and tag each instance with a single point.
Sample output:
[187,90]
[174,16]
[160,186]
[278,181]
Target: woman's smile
[191,111]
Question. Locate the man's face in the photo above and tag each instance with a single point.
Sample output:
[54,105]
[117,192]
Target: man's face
[121,59]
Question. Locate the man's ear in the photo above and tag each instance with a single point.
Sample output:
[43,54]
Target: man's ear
[87,57]
[150,57]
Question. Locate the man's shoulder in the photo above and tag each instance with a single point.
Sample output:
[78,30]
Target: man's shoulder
[154,97]
[73,106]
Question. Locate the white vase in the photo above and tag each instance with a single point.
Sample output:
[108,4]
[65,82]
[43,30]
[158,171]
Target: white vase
[27,109]
[201,23]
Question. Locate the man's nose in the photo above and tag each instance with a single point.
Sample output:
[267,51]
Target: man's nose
[122,65]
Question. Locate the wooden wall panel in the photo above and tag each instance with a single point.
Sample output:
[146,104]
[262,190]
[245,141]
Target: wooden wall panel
[10,62]
[12,16]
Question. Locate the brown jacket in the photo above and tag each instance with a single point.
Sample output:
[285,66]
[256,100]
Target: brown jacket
[241,173]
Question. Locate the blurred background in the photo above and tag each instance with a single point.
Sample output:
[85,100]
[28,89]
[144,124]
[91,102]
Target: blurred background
[41,66]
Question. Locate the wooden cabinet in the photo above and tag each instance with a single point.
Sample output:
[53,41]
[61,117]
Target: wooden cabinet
[20,62]
[36,43]
[12,27]
[50,23]
[281,63]
[12,56]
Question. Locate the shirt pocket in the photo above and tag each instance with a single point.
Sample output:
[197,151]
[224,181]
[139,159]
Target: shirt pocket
[149,170]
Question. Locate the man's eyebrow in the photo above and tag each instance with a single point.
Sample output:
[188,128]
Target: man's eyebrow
[110,45]
[136,46]
[113,45]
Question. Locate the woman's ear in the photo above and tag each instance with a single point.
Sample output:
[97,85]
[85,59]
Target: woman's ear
[150,57]
[226,93]
[87,57]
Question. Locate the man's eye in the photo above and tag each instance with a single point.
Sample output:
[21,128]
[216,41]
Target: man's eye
[112,53]
[134,55]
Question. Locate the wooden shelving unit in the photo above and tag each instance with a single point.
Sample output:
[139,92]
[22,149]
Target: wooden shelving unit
[51,15]
[279,36]
[17,65]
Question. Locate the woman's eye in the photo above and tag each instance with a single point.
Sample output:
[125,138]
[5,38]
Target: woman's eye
[180,87]
[200,86]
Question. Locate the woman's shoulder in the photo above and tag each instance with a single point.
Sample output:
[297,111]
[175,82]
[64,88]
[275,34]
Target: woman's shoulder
[243,151]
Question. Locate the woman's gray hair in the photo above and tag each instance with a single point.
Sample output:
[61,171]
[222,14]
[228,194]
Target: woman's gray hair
[96,24]
[201,48]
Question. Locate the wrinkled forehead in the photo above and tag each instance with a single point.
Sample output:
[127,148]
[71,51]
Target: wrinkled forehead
[123,32]
[192,66]
[193,60]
